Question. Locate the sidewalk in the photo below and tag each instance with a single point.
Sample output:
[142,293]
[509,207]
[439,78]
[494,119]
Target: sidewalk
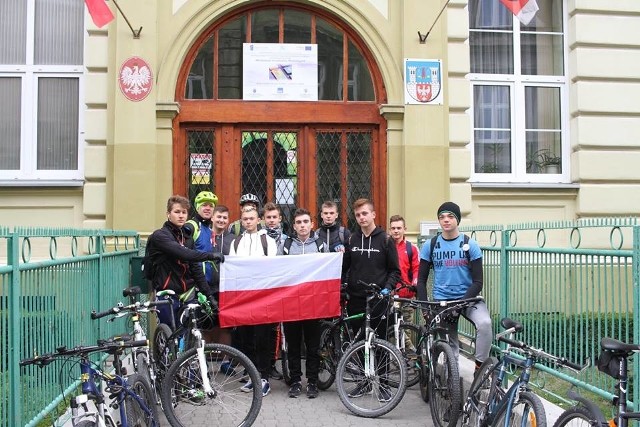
[327,410]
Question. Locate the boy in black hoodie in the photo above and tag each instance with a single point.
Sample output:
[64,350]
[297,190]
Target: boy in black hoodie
[371,256]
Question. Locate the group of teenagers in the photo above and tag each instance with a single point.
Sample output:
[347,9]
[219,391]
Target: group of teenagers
[186,253]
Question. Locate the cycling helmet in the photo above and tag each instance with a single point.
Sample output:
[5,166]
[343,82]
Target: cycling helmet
[205,197]
[249,198]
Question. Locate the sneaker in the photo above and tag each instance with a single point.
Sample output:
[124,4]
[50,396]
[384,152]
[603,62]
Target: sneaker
[312,390]
[266,388]
[295,390]
[360,390]
[275,374]
[247,388]
[384,394]
[227,369]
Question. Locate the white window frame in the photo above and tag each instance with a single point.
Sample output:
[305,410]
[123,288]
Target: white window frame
[29,73]
[517,83]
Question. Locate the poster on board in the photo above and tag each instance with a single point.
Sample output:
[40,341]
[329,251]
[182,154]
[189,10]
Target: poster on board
[280,72]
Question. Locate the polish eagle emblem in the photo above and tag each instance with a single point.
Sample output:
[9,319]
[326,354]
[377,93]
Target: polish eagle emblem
[135,79]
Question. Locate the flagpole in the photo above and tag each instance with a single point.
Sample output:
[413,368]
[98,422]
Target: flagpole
[136,34]
[423,39]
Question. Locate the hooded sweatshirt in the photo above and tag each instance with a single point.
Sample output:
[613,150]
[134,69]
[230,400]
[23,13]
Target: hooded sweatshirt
[330,236]
[372,259]
[309,246]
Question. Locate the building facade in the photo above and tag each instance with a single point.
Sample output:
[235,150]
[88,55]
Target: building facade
[533,122]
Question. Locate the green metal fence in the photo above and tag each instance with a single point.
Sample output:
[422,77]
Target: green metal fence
[570,284]
[50,280]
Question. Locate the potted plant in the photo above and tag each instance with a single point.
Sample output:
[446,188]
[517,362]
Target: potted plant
[547,161]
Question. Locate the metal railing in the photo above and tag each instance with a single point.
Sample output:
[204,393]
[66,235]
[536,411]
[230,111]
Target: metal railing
[570,284]
[50,280]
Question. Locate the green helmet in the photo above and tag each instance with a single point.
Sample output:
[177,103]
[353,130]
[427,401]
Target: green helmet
[205,197]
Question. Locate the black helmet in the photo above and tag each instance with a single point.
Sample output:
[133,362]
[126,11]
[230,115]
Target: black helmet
[249,198]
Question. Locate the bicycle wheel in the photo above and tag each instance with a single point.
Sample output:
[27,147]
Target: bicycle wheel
[164,349]
[576,416]
[412,333]
[328,350]
[136,416]
[475,408]
[444,386]
[382,389]
[527,411]
[185,401]
[142,367]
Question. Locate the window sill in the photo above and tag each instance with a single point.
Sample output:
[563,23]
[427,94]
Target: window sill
[526,185]
[41,183]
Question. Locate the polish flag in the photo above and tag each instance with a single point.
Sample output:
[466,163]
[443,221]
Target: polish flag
[524,10]
[100,12]
[258,290]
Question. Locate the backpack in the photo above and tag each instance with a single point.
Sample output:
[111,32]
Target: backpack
[196,228]
[263,240]
[148,266]
[433,245]
[340,234]
[288,241]
[409,248]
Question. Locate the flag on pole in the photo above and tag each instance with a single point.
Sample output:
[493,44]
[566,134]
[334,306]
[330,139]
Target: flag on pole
[258,290]
[100,12]
[524,10]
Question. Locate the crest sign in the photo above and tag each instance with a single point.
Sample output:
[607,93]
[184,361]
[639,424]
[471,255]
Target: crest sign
[423,81]
[135,79]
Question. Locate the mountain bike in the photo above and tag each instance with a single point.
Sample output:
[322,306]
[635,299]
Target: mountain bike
[490,403]
[371,377]
[335,336]
[120,400]
[140,358]
[439,373]
[613,361]
[203,383]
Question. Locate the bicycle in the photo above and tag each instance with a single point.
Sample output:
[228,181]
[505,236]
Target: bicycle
[406,337]
[131,396]
[335,337]
[490,403]
[141,357]
[204,381]
[613,361]
[374,368]
[440,383]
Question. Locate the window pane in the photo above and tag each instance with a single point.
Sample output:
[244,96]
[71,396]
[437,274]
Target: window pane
[330,57]
[265,26]
[491,106]
[492,151]
[13,31]
[544,152]
[230,39]
[59,27]
[548,18]
[489,14]
[202,159]
[543,133]
[360,86]
[542,107]
[491,53]
[542,54]
[11,92]
[328,176]
[492,129]
[58,102]
[358,171]
[200,78]
[297,26]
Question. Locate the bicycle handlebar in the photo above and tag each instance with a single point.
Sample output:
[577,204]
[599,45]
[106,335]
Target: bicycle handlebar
[110,344]
[371,287]
[138,306]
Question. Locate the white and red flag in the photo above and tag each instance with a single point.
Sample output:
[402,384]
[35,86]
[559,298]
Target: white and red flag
[100,12]
[258,290]
[524,10]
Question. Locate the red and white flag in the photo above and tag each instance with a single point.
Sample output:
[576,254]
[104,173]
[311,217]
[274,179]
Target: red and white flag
[258,290]
[524,10]
[100,12]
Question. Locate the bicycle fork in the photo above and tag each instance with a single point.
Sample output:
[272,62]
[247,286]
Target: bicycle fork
[202,363]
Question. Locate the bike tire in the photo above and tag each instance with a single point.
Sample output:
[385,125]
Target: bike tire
[185,403]
[413,366]
[164,349]
[527,411]
[576,416]
[444,386]
[328,352]
[383,390]
[136,416]
[477,402]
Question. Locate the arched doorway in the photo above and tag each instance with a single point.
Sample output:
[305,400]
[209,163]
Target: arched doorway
[293,153]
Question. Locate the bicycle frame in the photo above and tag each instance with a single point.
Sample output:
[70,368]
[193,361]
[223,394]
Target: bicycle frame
[520,384]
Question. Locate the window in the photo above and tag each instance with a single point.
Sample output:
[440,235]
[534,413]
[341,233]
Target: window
[41,57]
[519,85]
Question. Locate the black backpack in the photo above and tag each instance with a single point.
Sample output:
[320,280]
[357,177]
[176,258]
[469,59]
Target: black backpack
[148,266]
[263,240]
